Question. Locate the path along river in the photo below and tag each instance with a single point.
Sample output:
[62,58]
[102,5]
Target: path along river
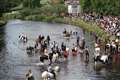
[14,62]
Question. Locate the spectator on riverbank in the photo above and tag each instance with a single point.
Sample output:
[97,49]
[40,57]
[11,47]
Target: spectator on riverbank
[109,23]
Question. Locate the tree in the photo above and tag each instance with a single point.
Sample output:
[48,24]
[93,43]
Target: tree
[106,7]
[86,5]
[55,2]
[35,3]
[6,5]
[31,3]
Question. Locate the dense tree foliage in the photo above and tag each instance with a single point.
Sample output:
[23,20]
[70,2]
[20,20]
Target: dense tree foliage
[106,7]
[37,9]
[53,7]
[6,5]
[31,3]
[56,1]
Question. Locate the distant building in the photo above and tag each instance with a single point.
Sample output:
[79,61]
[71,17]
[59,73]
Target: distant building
[74,8]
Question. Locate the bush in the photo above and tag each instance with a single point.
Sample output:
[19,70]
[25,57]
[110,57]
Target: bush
[49,18]
[105,7]
[51,10]
[25,12]
[59,20]
[12,15]
[34,17]
[40,18]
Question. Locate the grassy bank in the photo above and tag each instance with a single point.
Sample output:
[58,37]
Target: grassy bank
[2,22]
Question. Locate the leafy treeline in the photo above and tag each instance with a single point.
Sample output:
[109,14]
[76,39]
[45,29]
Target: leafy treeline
[44,5]
[31,3]
[105,7]
[6,5]
[36,10]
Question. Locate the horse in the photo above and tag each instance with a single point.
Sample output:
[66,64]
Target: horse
[50,73]
[55,57]
[101,58]
[43,58]
[23,38]
[29,75]
[46,75]
[52,57]
[67,34]
[105,59]
[107,47]
[39,64]
[30,50]
[56,69]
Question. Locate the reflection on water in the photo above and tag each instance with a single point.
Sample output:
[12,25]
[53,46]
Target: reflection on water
[15,62]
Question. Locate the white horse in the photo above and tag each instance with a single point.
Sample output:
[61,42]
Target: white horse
[98,57]
[23,38]
[56,69]
[55,57]
[39,64]
[97,52]
[46,75]
[104,58]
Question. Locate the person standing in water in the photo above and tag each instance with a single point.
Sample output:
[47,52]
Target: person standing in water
[77,41]
[29,75]
[48,39]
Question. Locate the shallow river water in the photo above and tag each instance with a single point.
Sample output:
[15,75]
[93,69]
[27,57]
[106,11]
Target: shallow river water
[14,62]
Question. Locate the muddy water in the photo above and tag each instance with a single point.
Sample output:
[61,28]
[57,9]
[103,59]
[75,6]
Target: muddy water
[14,62]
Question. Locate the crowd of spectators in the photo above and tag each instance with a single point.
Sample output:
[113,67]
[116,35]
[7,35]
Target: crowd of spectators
[109,23]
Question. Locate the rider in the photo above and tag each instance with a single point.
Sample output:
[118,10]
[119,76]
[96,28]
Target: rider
[50,69]
[87,54]
[29,75]
[65,31]
[48,39]
[74,50]
[65,53]
[63,46]
[78,38]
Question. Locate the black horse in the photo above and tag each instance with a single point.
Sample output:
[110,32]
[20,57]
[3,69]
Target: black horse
[43,57]
[30,50]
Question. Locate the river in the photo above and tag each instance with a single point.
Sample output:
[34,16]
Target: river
[14,62]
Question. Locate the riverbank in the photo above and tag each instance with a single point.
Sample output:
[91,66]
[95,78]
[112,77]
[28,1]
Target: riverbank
[2,22]
[87,26]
